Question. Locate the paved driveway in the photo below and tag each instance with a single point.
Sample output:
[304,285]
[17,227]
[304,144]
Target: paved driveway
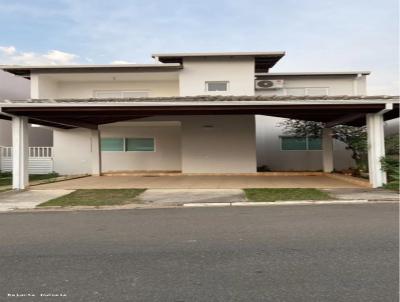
[200,182]
[287,253]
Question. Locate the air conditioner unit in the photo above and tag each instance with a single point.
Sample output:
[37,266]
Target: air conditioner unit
[269,84]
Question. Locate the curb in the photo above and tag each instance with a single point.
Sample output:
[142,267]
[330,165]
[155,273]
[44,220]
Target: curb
[280,203]
[194,205]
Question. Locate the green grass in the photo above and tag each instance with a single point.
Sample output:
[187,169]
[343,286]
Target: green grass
[95,197]
[6,177]
[272,195]
[394,186]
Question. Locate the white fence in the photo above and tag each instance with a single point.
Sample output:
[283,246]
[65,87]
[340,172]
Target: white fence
[40,160]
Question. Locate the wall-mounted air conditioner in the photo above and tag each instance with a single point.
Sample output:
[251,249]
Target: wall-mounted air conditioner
[269,84]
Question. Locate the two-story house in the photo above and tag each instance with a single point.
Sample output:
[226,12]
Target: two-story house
[193,113]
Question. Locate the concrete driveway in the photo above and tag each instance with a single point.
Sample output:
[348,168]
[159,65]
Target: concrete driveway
[200,182]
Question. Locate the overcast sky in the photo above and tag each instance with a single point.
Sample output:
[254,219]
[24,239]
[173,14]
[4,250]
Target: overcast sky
[318,35]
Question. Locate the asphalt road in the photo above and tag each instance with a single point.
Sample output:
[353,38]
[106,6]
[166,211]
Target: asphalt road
[283,253]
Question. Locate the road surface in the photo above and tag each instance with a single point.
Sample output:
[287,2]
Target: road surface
[283,253]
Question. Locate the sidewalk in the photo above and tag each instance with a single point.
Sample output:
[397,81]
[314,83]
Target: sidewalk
[29,199]
[164,198]
[363,193]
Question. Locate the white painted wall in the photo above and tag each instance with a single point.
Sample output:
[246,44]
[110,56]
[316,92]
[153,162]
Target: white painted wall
[83,85]
[72,151]
[337,85]
[228,147]
[269,151]
[167,154]
[239,72]
[43,86]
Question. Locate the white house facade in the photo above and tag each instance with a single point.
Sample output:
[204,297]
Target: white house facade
[193,113]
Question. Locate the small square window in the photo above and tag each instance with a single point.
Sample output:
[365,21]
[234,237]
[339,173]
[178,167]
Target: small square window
[216,86]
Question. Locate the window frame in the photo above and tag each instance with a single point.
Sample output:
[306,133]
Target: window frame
[307,144]
[206,83]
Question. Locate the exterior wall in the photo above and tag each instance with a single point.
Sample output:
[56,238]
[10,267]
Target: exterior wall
[337,85]
[269,151]
[84,85]
[228,147]
[43,86]
[196,71]
[167,154]
[72,151]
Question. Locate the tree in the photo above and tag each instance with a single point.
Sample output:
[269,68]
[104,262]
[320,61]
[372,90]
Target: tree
[355,138]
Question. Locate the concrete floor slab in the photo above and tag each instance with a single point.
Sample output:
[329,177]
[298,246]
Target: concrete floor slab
[28,199]
[200,182]
[181,196]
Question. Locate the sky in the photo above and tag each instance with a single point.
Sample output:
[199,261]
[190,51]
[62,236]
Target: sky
[317,35]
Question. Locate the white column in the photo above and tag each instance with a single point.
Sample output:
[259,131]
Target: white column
[20,153]
[96,153]
[327,150]
[376,149]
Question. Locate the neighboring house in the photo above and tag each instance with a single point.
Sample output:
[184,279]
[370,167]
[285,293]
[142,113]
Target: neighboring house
[17,88]
[195,113]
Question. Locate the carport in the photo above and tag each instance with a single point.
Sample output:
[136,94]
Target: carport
[90,113]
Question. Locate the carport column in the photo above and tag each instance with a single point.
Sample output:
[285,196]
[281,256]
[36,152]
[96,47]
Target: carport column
[376,149]
[20,153]
[96,152]
[327,150]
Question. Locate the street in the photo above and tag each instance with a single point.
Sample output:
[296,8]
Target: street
[282,253]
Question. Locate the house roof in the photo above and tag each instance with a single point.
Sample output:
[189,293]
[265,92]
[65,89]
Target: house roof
[323,73]
[26,70]
[263,60]
[89,113]
[209,99]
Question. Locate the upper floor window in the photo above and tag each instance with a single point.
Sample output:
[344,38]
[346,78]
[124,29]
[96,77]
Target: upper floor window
[217,86]
[118,94]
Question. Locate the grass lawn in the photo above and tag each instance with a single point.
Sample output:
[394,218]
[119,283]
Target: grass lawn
[6,177]
[95,197]
[394,186]
[272,195]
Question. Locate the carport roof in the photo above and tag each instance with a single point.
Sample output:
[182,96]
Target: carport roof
[89,113]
